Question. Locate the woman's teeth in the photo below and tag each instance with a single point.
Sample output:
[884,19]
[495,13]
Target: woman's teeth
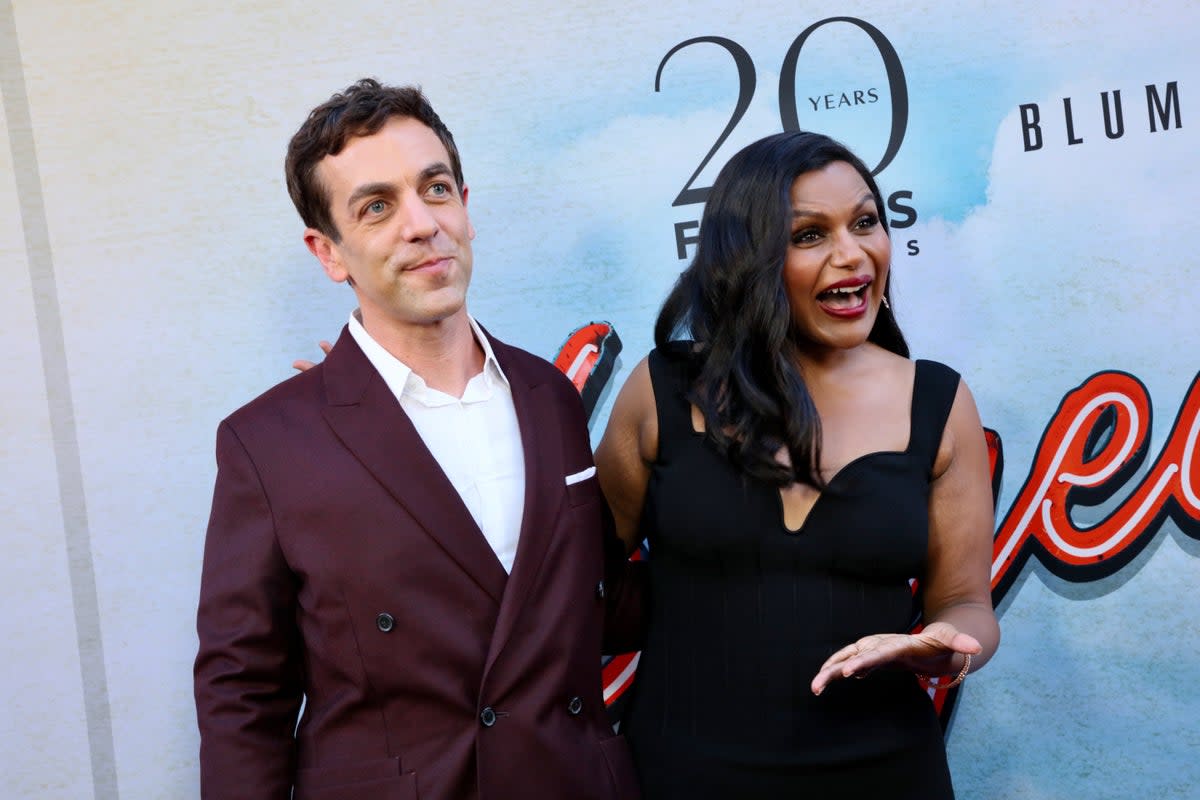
[844,296]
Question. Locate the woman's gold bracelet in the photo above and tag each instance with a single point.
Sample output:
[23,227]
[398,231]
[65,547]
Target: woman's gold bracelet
[962,673]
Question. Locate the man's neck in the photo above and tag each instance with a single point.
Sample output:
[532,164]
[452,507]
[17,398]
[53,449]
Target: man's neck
[444,354]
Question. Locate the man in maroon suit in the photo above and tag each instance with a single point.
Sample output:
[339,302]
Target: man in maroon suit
[406,539]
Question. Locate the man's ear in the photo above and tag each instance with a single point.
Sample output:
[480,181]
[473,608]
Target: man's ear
[470,227]
[326,251]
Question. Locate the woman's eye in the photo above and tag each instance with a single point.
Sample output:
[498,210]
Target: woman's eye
[868,221]
[807,236]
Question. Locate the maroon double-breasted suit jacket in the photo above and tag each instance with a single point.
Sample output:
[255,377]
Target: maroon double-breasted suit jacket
[341,568]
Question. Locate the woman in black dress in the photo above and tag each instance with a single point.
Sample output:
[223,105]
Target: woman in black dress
[794,473]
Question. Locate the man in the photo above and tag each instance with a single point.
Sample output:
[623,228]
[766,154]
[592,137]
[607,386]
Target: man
[407,536]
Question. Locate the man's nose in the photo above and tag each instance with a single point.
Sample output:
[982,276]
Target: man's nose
[416,218]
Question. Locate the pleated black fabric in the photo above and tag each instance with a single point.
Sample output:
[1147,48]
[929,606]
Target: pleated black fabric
[744,612]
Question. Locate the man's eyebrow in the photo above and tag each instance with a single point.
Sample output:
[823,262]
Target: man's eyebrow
[370,189]
[435,170]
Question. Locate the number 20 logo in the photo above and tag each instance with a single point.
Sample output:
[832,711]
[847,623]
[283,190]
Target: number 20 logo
[787,98]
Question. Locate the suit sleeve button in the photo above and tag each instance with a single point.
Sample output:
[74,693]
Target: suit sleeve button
[574,706]
[600,590]
[487,717]
[385,622]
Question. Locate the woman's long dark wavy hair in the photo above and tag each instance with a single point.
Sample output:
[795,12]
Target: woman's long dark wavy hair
[731,300]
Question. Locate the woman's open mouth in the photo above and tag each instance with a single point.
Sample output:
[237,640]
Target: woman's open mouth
[846,298]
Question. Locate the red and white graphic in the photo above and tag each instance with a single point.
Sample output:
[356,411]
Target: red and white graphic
[1093,446]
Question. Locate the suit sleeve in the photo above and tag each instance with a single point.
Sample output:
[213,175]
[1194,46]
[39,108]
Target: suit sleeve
[248,681]
[628,593]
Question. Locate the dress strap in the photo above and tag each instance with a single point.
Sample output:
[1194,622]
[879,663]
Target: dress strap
[934,388]
[669,377]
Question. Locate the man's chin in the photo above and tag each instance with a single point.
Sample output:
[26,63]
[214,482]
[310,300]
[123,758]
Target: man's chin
[448,312]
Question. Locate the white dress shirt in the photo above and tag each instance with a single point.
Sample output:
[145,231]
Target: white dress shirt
[475,438]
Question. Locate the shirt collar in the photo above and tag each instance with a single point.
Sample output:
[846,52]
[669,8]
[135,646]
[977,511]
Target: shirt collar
[400,378]
[490,363]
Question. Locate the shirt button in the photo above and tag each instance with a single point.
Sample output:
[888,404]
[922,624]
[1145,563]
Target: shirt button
[574,706]
[487,717]
[600,590]
[385,622]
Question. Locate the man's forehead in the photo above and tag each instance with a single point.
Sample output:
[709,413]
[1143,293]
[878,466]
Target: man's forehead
[403,136]
[403,147]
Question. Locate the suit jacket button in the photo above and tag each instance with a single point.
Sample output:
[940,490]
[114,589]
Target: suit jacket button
[385,622]
[600,590]
[574,706]
[487,717]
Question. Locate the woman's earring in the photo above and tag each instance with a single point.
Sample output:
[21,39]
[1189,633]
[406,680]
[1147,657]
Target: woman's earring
[886,304]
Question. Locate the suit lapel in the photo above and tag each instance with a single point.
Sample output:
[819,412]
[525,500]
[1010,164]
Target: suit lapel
[366,417]
[541,426]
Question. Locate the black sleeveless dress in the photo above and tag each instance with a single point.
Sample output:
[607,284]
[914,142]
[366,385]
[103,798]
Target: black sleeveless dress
[743,613]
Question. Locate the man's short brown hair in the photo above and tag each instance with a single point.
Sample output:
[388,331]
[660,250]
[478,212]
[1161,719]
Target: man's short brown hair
[361,110]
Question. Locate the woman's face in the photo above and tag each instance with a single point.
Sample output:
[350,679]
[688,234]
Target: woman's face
[837,259]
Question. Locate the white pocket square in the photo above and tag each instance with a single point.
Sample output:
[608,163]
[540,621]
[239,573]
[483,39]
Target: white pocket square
[581,476]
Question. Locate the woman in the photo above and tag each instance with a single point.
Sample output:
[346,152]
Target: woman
[792,470]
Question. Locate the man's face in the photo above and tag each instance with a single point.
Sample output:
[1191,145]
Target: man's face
[405,236]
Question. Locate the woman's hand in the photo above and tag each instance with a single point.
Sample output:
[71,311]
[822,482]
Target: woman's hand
[933,651]
[300,364]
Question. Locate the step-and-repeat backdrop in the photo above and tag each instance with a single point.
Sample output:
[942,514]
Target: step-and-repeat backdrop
[1040,165]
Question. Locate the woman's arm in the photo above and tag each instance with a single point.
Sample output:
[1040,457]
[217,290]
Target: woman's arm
[957,586]
[626,451]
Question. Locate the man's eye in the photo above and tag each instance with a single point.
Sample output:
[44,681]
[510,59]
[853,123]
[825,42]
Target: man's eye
[440,189]
[377,207]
